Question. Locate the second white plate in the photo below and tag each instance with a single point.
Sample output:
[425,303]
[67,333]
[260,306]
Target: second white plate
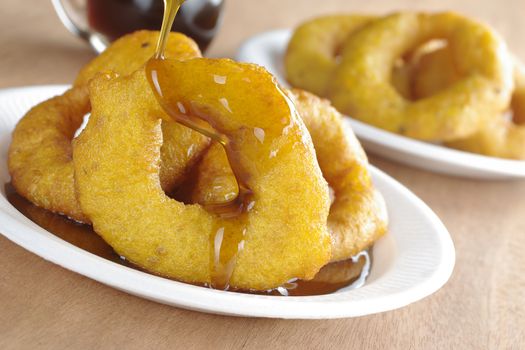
[267,49]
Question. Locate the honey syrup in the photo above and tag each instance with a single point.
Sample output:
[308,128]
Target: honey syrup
[352,273]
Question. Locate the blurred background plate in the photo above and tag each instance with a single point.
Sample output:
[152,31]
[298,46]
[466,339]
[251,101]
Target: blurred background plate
[412,261]
[268,48]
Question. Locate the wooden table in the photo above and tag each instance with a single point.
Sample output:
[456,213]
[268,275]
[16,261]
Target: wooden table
[482,306]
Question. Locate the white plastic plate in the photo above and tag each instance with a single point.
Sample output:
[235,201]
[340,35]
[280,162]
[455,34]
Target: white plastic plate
[267,49]
[412,261]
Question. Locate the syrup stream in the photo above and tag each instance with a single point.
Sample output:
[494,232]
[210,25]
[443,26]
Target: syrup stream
[171,7]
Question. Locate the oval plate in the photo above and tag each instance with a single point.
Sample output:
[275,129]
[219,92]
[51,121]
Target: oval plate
[267,49]
[412,261]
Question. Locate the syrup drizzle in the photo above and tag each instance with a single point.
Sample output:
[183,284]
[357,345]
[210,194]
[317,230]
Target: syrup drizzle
[228,239]
[171,7]
[222,260]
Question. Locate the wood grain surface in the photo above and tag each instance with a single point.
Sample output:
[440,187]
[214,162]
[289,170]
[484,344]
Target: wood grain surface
[482,306]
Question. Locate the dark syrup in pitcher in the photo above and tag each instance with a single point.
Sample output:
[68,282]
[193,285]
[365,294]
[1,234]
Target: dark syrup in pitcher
[199,19]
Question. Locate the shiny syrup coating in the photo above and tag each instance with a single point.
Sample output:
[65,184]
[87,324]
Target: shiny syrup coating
[225,251]
[228,239]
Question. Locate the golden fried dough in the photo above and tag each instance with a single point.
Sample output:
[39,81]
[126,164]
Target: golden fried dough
[358,215]
[361,85]
[39,158]
[283,234]
[313,50]
[132,51]
[40,152]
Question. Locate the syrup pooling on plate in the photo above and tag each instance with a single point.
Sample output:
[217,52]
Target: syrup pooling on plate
[82,236]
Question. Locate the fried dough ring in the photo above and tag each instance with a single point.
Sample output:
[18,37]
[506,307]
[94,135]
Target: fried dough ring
[40,152]
[361,88]
[39,158]
[312,53]
[502,136]
[284,233]
[358,215]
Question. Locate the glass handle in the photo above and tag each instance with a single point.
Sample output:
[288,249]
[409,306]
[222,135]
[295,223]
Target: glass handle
[72,14]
